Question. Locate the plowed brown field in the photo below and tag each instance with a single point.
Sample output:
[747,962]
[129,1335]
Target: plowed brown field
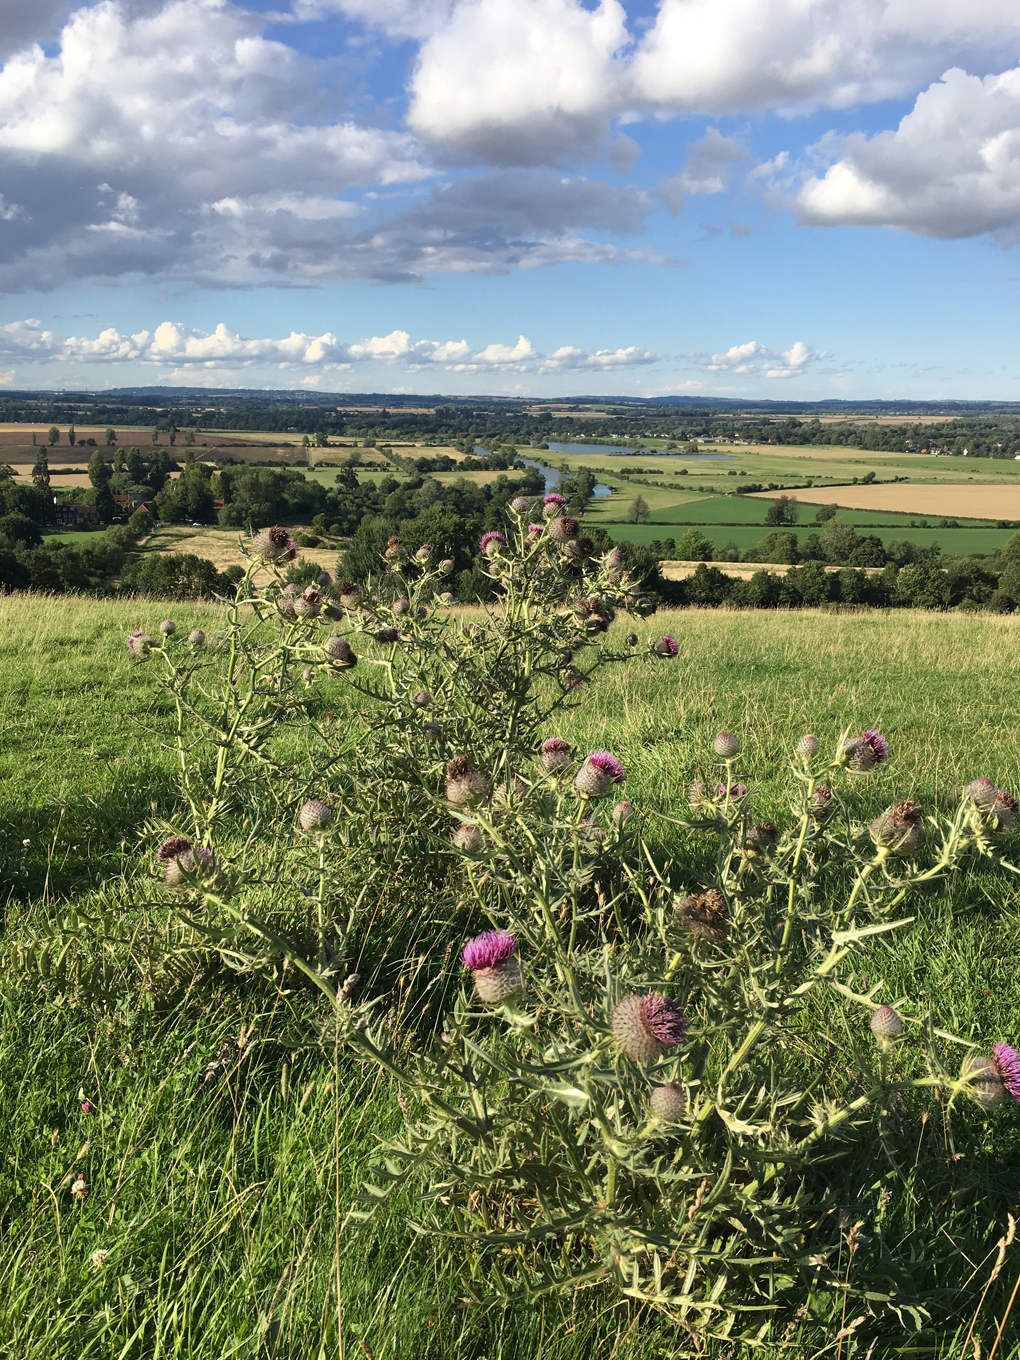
[952,500]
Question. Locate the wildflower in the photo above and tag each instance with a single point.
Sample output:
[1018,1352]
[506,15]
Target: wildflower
[555,754]
[468,838]
[668,1103]
[100,1257]
[395,551]
[196,637]
[886,1024]
[388,634]
[984,1082]
[982,792]
[446,566]
[622,811]
[666,646]
[495,968]
[554,504]
[631,639]
[726,745]
[535,532]
[1003,812]
[863,753]
[309,605]
[463,784]
[87,1107]
[898,829]
[422,699]
[314,815]
[491,544]
[178,857]
[140,643]
[645,1027]
[167,627]
[763,837]
[598,774]
[350,594]
[339,651]
[423,553]
[274,545]
[808,747]
[563,528]
[1007,1064]
[705,915]
[519,505]
[80,1188]
[731,793]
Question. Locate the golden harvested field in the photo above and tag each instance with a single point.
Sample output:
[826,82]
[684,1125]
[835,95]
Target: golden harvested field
[987,500]
[743,571]
[219,546]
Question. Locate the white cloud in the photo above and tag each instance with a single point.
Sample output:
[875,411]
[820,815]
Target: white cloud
[7,377]
[224,350]
[753,358]
[951,168]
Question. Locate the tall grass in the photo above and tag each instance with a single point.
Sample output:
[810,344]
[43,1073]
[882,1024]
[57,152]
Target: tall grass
[221,1153]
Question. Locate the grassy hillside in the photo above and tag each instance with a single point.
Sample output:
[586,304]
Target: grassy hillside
[221,1194]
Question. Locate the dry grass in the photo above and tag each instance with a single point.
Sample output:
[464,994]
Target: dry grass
[219,546]
[743,571]
[987,500]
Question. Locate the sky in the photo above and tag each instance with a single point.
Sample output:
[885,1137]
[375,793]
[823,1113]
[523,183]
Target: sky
[800,199]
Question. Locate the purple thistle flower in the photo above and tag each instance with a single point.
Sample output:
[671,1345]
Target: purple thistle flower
[644,1027]
[598,774]
[140,643]
[1007,1064]
[982,792]
[863,753]
[495,970]
[534,530]
[734,792]
[877,743]
[555,754]
[491,543]
[274,545]
[666,646]
[555,499]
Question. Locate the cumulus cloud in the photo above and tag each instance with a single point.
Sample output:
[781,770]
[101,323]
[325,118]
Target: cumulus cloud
[753,358]
[224,350]
[951,168]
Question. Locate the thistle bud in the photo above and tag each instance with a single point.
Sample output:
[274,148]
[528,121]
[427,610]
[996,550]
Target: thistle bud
[422,699]
[395,552]
[423,553]
[468,838]
[196,637]
[432,731]
[446,566]
[274,545]
[704,915]
[308,605]
[622,812]
[761,839]
[555,755]
[140,643]
[388,635]
[820,803]
[324,579]
[1003,812]
[668,1103]
[464,784]
[446,597]
[314,815]
[307,675]
[726,746]
[340,653]
[984,1085]
[168,627]
[646,1027]
[808,747]
[292,588]
[563,528]
[666,646]
[886,1024]
[898,829]
[598,774]
[631,639]
[981,792]
[350,594]
[494,966]
[519,505]
[179,857]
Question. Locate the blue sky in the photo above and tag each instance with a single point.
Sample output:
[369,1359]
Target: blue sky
[786,198]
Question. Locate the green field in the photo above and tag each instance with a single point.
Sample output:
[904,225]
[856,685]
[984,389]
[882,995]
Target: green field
[222,1203]
[749,510]
[953,542]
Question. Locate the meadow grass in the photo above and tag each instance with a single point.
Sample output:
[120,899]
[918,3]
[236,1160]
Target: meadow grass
[221,1193]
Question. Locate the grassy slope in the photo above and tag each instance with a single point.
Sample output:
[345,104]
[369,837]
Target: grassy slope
[223,1211]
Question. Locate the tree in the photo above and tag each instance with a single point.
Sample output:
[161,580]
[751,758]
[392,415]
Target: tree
[639,509]
[189,438]
[825,512]
[106,506]
[838,541]
[71,435]
[118,461]
[54,435]
[99,471]
[155,436]
[783,510]
[111,437]
[695,547]
[41,471]
[778,546]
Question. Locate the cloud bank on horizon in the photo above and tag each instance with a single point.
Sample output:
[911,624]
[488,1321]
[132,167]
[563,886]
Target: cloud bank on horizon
[201,147]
